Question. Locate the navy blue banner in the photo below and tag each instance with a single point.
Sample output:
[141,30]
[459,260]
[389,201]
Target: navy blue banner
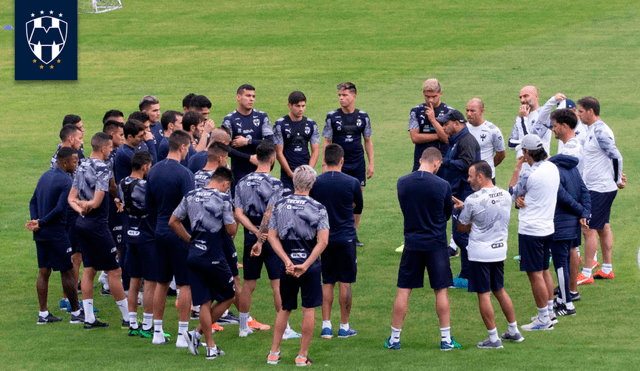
[46,39]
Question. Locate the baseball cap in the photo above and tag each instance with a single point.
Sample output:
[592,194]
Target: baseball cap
[566,103]
[530,142]
[452,115]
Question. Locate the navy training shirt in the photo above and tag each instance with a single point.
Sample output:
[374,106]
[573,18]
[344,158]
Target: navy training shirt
[163,152]
[49,204]
[425,201]
[198,161]
[347,130]
[338,192]
[295,137]
[168,182]
[158,134]
[418,120]
[256,127]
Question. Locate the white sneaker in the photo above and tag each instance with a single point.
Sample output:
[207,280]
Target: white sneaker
[537,325]
[245,333]
[290,334]
[181,341]
[553,318]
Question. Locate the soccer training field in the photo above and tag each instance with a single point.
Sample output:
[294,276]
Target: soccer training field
[476,48]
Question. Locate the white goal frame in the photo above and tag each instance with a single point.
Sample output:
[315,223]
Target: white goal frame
[98,6]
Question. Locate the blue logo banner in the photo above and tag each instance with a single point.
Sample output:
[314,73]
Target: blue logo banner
[46,40]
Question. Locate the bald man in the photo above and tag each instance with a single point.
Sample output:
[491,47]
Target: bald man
[199,160]
[489,136]
[526,120]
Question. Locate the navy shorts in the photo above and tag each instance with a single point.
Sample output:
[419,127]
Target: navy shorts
[209,282]
[138,260]
[252,266]
[413,264]
[55,254]
[73,238]
[230,253]
[170,259]
[358,171]
[287,182]
[339,262]
[534,252]
[98,249]
[309,286]
[600,208]
[485,277]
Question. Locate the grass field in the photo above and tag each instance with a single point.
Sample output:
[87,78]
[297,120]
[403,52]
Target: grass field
[486,49]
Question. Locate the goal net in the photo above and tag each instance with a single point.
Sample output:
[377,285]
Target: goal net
[98,6]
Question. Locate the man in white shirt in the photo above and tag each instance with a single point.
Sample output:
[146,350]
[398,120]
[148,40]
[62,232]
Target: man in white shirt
[485,214]
[489,136]
[535,192]
[527,118]
[603,177]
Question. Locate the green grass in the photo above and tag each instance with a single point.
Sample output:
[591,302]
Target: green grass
[486,49]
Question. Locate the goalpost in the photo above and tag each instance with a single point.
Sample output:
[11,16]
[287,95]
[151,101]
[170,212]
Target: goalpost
[98,6]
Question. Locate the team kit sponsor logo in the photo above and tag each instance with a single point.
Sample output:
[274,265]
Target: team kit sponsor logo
[46,40]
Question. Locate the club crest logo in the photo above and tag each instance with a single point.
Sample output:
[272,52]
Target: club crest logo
[47,36]
[256,122]
[307,130]
[359,123]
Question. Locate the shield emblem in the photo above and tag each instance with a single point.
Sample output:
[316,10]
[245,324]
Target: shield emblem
[256,122]
[307,130]
[46,37]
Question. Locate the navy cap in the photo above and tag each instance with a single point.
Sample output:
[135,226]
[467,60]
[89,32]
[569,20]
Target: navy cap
[566,103]
[452,115]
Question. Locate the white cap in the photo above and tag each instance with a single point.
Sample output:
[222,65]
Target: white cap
[530,142]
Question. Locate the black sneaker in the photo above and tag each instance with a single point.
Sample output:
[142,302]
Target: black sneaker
[561,310]
[556,291]
[195,315]
[95,324]
[358,243]
[48,319]
[214,353]
[104,292]
[575,297]
[77,319]
[229,319]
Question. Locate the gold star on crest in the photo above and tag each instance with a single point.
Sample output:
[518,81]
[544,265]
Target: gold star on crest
[58,61]
[51,66]
[41,67]
[34,61]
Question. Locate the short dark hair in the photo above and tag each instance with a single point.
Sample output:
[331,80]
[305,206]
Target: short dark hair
[100,140]
[71,119]
[111,125]
[332,154]
[431,155]
[140,159]
[538,154]
[222,174]
[110,114]
[147,101]
[178,138]
[140,116]
[191,118]
[244,87]
[590,103]
[169,117]
[67,131]
[565,116]
[483,167]
[216,149]
[132,127]
[265,151]
[347,86]
[296,97]
[199,102]
[187,100]
[65,152]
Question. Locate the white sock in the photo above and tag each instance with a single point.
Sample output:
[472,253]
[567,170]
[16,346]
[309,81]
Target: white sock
[172,285]
[147,321]
[445,334]
[578,250]
[244,318]
[395,334]
[133,320]
[124,308]
[274,354]
[195,308]
[326,324]
[89,317]
[595,256]
[226,312]
[288,326]
[158,332]
[573,292]
[198,335]
[570,305]
[543,315]
[126,293]
[607,268]
[493,335]
[586,272]
[344,326]
[43,314]
[550,306]
[76,313]
[513,328]
[183,327]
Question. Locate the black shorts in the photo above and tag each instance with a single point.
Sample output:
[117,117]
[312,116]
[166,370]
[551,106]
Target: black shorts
[600,208]
[309,286]
[210,282]
[252,266]
[230,253]
[170,259]
[339,262]
[485,277]
[138,260]
[358,171]
[73,238]
[413,264]
[55,254]
[98,249]
[534,252]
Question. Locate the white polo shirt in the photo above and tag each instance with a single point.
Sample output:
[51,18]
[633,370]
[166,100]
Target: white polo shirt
[541,193]
[600,154]
[491,141]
